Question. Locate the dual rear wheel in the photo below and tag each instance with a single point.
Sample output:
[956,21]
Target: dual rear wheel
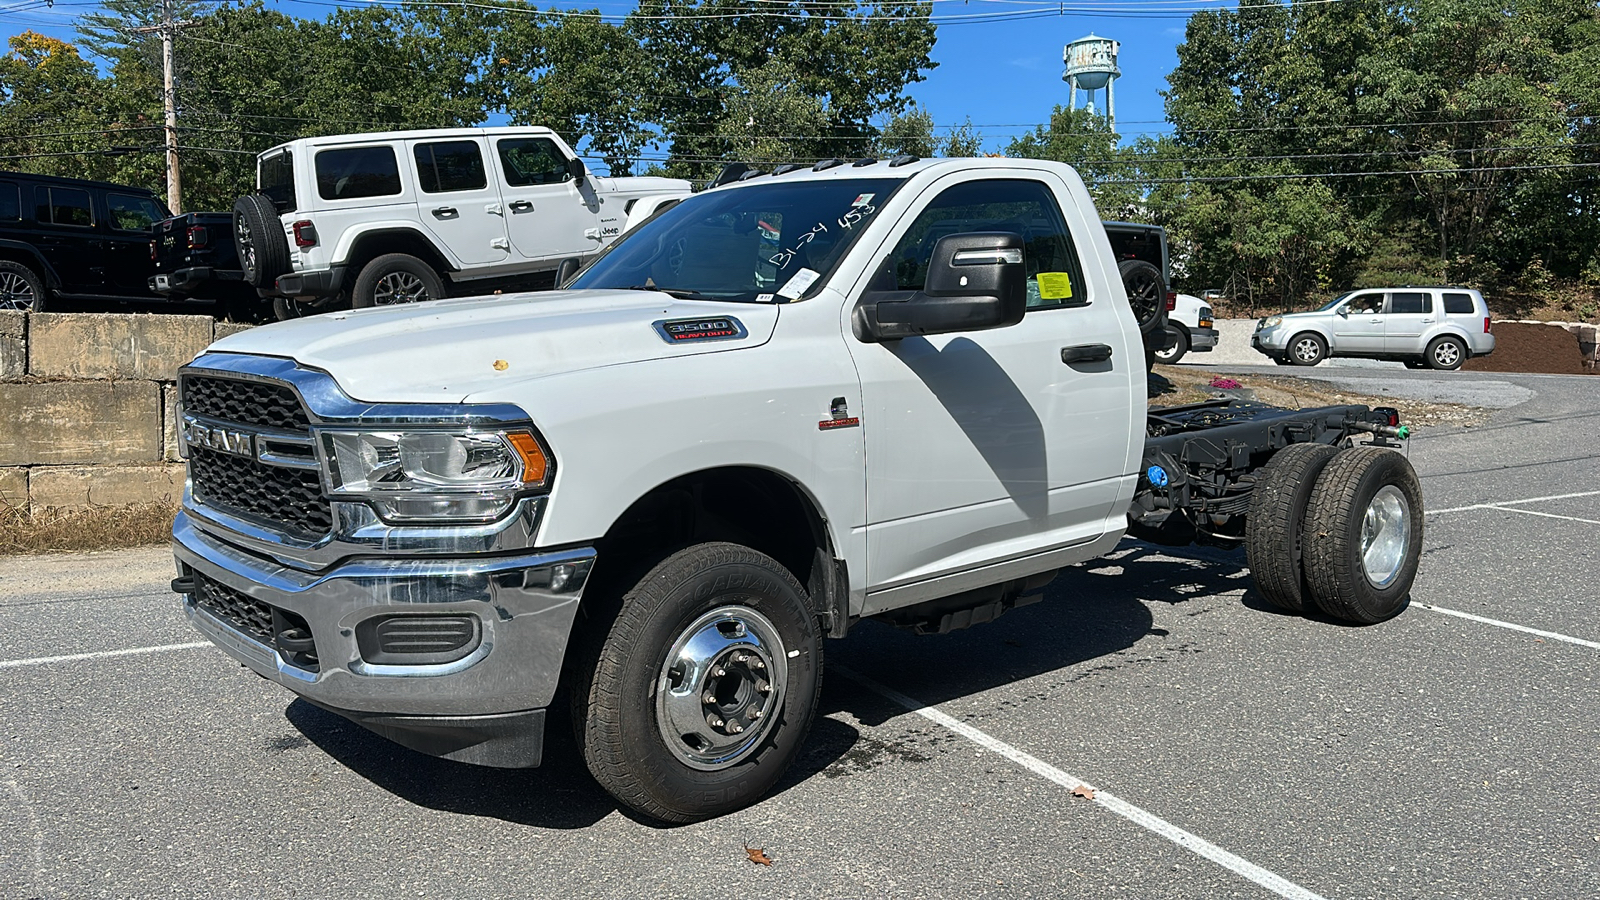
[1336,531]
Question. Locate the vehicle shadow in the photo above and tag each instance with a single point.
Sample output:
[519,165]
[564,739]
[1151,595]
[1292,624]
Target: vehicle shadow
[1091,612]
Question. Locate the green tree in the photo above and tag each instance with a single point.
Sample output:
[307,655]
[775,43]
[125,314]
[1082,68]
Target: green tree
[1086,142]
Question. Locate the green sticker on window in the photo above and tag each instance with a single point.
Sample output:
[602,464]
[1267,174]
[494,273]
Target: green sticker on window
[1055,286]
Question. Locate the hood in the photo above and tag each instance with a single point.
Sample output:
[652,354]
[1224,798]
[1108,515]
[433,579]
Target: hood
[445,350]
[644,184]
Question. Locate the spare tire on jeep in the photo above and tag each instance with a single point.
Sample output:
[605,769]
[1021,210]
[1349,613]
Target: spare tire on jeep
[258,236]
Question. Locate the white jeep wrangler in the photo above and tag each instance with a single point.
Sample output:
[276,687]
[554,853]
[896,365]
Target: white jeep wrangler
[401,216]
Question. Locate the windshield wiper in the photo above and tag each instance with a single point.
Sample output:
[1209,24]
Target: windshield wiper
[680,293]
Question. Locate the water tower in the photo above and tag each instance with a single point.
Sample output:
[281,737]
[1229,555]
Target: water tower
[1092,66]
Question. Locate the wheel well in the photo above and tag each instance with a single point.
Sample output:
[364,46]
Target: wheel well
[1311,331]
[20,257]
[374,244]
[757,508]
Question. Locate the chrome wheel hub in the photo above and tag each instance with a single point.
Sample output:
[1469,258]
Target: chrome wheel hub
[1446,354]
[1306,350]
[1385,535]
[720,687]
[15,292]
[399,287]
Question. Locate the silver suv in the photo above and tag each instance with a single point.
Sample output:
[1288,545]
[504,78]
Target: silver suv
[1423,327]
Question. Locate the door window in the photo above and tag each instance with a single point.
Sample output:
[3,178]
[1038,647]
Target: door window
[132,213]
[1365,305]
[10,203]
[355,172]
[450,166]
[1023,207]
[1410,302]
[532,161]
[1458,304]
[63,206]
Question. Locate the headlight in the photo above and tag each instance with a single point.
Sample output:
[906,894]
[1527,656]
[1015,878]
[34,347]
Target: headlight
[431,475]
[1272,321]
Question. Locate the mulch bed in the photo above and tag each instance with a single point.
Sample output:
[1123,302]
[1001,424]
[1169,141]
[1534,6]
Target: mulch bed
[1542,349]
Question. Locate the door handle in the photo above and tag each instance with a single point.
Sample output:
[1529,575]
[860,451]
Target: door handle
[522,206]
[1427,321]
[446,212]
[1086,353]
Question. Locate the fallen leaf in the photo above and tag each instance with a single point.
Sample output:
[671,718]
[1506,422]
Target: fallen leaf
[501,365]
[758,855]
[1084,791]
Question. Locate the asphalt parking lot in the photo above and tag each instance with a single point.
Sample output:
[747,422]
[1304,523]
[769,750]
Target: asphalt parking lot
[1232,751]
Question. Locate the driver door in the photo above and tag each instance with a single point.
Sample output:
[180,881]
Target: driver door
[548,216]
[984,446]
[1361,329]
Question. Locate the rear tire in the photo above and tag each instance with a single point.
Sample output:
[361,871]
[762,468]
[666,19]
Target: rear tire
[258,238]
[1176,352]
[21,288]
[1446,354]
[657,697]
[1273,536]
[1307,349]
[1363,531]
[396,278]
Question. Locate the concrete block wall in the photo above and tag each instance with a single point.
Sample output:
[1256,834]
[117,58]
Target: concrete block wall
[87,405]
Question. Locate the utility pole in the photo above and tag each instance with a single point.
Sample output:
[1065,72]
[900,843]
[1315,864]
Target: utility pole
[169,100]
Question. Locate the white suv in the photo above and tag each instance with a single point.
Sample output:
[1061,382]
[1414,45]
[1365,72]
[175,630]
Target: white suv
[1423,327]
[402,216]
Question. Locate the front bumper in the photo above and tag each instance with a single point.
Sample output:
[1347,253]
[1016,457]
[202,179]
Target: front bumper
[484,708]
[1202,340]
[1270,341]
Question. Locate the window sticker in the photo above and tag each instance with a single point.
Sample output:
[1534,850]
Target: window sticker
[797,285]
[1055,286]
[862,200]
[763,298]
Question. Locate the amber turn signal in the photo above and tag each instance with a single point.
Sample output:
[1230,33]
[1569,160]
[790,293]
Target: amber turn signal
[535,466]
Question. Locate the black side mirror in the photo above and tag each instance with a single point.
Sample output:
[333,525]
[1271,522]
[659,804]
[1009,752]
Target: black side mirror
[976,281]
[568,268]
[577,170]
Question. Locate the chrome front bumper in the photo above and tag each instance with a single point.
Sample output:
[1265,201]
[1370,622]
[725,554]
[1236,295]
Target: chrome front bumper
[486,707]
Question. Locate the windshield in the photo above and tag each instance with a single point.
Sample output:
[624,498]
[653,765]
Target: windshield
[1335,301]
[765,243]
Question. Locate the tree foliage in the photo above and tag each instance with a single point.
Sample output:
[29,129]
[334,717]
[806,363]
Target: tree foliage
[684,84]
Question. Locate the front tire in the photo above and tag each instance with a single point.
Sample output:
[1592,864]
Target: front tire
[396,278]
[1363,535]
[1176,352]
[1446,354]
[1307,349]
[700,694]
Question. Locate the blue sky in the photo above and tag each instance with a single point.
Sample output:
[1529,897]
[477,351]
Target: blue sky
[999,60]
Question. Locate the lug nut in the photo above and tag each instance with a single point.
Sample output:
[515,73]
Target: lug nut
[735,728]
[763,687]
[718,672]
[709,698]
[758,664]
[738,657]
[715,722]
[755,713]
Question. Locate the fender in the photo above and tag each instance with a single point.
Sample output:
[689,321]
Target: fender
[354,234]
[36,260]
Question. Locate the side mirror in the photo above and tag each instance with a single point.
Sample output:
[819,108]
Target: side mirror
[568,268]
[577,170]
[976,281]
[1344,311]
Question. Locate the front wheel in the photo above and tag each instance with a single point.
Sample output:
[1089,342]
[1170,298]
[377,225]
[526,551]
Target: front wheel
[1363,535]
[699,696]
[396,278]
[1307,349]
[1180,346]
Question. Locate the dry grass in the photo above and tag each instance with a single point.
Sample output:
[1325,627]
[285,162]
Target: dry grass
[1172,386]
[94,528]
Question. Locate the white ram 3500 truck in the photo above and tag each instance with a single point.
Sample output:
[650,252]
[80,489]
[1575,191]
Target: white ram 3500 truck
[910,390]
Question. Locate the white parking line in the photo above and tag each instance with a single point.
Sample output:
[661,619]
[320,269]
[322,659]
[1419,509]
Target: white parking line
[1501,504]
[1269,880]
[103,654]
[1511,625]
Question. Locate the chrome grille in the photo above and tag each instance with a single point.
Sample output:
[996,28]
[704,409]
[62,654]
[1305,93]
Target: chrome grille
[244,402]
[281,497]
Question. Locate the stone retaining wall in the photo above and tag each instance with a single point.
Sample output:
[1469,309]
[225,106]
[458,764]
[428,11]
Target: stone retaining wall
[87,406]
